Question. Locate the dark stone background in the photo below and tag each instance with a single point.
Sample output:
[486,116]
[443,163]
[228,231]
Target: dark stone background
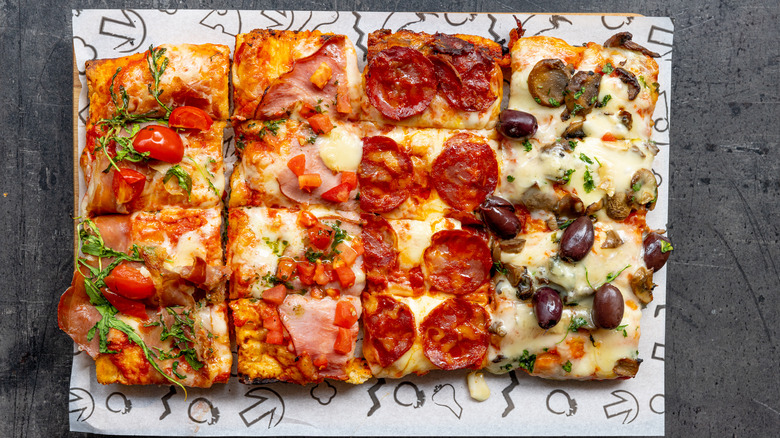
[722,355]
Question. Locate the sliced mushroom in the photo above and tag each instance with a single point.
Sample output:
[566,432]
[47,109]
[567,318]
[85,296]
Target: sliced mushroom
[536,199]
[626,119]
[559,148]
[574,131]
[594,207]
[519,278]
[623,39]
[626,367]
[642,284]
[514,246]
[635,149]
[569,205]
[581,93]
[645,188]
[612,240]
[618,207]
[630,80]
[497,328]
[495,250]
[547,81]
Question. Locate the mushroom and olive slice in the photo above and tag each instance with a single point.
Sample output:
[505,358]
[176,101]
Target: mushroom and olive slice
[516,124]
[630,80]
[547,81]
[519,278]
[642,284]
[623,40]
[582,92]
[645,188]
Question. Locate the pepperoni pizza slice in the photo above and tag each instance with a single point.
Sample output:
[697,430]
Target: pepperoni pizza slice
[277,74]
[432,81]
[153,83]
[297,276]
[147,299]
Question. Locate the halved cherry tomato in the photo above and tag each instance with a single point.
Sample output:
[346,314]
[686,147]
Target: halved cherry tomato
[319,236]
[161,142]
[343,344]
[123,305]
[127,185]
[340,193]
[189,117]
[275,337]
[345,275]
[297,164]
[350,179]
[275,295]
[130,282]
[309,181]
[346,315]
[320,123]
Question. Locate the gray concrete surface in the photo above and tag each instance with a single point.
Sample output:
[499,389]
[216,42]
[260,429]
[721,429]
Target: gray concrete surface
[722,356]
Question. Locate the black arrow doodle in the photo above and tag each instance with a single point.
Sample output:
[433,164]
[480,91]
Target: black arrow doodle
[372,393]
[658,309]
[572,403]
[361,46]
[214,411]
[229,22]
[255,394]
[419,395]
[622,22]
[126,404]
[496,37]
[116,28]
[510,406]
[622,406]
[165,398]
[658,351]
[556,21]
[79,394]
[447,399]
[469,17]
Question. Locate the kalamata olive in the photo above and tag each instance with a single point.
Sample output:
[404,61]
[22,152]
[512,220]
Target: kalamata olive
[607,307]
[577,240]
[516,124]
[547,307]
[657,250]
[499,215]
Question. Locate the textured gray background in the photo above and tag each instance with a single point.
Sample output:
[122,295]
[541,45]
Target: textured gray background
[722,355]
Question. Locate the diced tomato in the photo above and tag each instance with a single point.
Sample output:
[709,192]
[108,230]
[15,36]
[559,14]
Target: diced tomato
[305,272]
[127,185]
[346,276]
[189,117]
[307,110]
[275,295]
[129,282]
[357,245]
[350,179]
[346,315]
[306,219]
[608,137]
[317,293]
[321,275]
[340,193]
[320,362]
[333,293]
[124,305]
[320,236]
[275,337]
[297,164]
[320,123]
[343,344]
[346,253]
[285,269]
[273,322]
[309,181]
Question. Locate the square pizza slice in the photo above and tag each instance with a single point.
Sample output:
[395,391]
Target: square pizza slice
[296,280]
[148,167]
[147,300]
[432,81]
[154,83]
[277,74]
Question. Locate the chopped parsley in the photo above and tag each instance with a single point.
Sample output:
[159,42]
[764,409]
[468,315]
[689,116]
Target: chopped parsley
[277,246]
[527,145]
[636,186]
[567,176]
[564,225]
[271,126]
[539,101]
[574,325]
[579,93]
[312,256]
[586,159]
[605,100]
[642,80]
[567,366]
[607,69]
[499,267]
[553,102]
[572,144]
[576,108]
[510,178]
[526,361]
[273,280]
[666,246]
[613,275]
[339,235]
[622,328]
[589,185]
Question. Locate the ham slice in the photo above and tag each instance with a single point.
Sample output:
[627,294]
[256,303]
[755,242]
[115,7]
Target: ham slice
[115,230]
[76,315]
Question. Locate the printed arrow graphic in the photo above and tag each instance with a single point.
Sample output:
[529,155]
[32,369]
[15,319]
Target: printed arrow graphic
[131,30]
[510,406]
[87,405]
[261,409]
[626,404]
[372,393]
[165,398]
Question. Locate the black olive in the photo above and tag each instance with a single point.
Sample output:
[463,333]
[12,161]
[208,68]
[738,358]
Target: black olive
[547,307]
[608,307]
[577,240]
[516,124]
[655,256]
[499,215]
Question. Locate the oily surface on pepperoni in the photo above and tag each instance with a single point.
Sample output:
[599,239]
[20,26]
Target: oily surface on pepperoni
[389,328]
[457,262]
[380,256]
[400,82]
[455,335]
[385,175]
[465,172]
[464,73]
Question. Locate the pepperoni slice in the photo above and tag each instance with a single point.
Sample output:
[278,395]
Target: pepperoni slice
[380,256]
[465,172]
[385,175]
[389,329]
[455,335]
[466,85]
[400,82]
[457,262]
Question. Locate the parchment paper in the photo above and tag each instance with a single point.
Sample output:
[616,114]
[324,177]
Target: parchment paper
[435,404]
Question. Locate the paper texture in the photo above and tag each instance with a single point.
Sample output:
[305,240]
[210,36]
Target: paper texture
[435,404]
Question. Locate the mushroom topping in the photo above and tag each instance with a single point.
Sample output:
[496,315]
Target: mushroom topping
[626,367]
[626,119]
[594,207]
[630,80]
[645,188]
[612,240]
[547,81]
[618,207]
[574,130]
[623,40]
[642,284]
[536,199]
[557,147]
[581,94]
[569,205]
[514,246]
[519,278]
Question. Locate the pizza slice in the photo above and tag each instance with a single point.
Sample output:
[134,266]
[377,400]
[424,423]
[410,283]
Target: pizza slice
[432,81]
[148,167]
[277,74]
[297,276]
[147,299]
[154,83]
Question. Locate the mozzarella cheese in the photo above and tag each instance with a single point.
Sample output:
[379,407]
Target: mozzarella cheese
[341,149]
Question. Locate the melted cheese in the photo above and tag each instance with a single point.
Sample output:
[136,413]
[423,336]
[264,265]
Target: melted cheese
[415,236]
[341,149]
[478,388]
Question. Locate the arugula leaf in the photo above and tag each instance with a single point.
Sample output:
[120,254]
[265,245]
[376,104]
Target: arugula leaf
[611,276]
[666,246]
[564,225]
[157,62]
[206,175]
[184,178]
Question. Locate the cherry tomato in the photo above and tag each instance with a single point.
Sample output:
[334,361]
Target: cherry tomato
[189,117]
[127,185]
[123,305]
[129,282]
[162,143]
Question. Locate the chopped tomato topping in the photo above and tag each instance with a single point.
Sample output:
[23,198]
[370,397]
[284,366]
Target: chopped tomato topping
[321,76]
[124,305]
[346,276]
[320,123]
[357,245]
[333,293]
[350,179]
[285,269]
[309,181]
[343,344]
[297,164]
[317,293]
[307,110]
[129,282]
[346,253]
[340,193]
[273,322]
[306,219]
[346,315]
[275,295]
[189,117]
[275,337]
[321,276]
[320,362]
[306,272]
[608,137]
[320,236]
